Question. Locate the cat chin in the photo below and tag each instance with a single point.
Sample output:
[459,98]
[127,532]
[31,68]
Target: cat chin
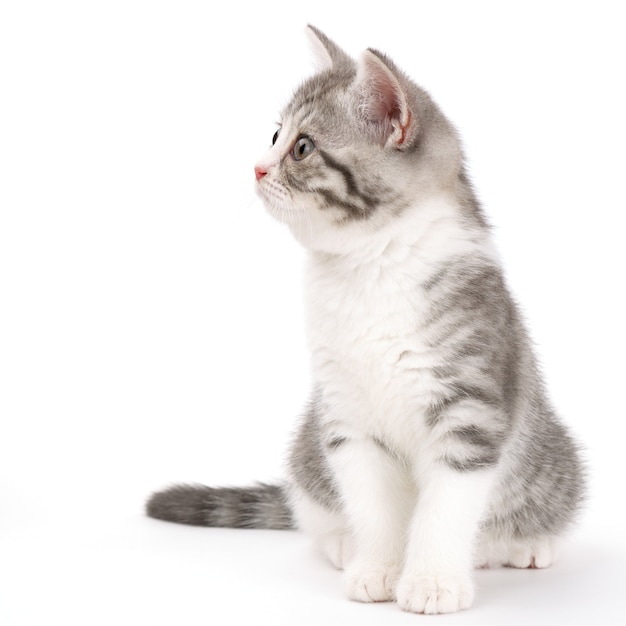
[313,231]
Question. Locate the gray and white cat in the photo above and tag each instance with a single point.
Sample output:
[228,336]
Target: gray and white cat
[429,447]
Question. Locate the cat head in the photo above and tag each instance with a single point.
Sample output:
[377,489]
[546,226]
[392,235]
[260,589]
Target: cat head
[358,144]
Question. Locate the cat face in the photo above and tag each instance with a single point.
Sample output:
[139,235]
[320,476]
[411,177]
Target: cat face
[353,150]
[321,161]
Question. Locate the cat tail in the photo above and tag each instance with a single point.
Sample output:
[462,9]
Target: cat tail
[259,506]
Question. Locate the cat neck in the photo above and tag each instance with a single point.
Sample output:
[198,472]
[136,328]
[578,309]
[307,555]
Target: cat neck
[434,229]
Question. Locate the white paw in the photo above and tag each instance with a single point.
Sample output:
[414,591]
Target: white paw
[431,594]
[365,582]
[533,554]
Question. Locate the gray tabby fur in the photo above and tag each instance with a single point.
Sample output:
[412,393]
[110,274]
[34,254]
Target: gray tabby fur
[262,506]
[465,317]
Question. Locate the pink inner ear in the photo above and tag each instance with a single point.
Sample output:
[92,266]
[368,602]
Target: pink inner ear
[384,98]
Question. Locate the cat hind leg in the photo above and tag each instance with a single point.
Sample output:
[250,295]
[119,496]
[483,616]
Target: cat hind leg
[327,527]
[535,553]
[527,553]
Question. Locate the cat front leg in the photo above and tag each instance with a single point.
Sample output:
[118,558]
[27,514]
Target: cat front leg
[437,574]
[377,498]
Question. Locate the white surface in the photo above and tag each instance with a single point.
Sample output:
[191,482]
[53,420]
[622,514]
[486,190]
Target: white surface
[150,314]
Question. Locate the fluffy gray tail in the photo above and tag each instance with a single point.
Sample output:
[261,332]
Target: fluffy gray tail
[261,506]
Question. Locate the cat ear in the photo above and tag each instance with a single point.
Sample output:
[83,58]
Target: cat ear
[384,99]
[328,55]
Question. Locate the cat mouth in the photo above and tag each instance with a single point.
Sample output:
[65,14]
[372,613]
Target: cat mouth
[279,204]
[276,198]
[271,188]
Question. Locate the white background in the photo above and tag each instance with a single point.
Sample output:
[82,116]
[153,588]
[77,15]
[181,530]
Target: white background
[151,325]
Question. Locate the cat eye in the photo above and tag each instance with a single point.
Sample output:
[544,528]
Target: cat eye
[275,137]
[303,147]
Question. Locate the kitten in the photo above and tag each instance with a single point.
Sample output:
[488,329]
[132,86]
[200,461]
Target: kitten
[429,446]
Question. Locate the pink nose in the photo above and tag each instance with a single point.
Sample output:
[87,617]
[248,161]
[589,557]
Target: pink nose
[259,172]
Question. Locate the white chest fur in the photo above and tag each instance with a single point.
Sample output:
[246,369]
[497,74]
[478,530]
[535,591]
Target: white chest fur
[370,350]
